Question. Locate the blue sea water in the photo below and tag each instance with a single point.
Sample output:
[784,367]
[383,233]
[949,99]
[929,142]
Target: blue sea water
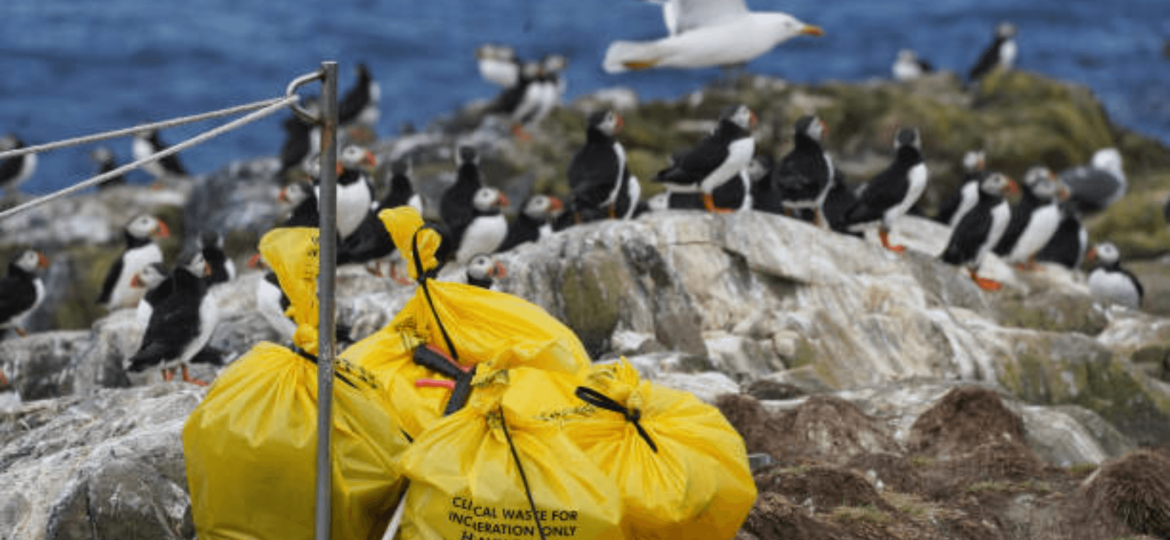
[73,68]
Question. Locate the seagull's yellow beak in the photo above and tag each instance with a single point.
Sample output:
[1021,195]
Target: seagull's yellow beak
[812,30]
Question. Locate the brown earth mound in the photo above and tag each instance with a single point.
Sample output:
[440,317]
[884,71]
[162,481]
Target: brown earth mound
[823,487]
[826,428]
[1134,490]
[962,420]
[774,517]
[893,471]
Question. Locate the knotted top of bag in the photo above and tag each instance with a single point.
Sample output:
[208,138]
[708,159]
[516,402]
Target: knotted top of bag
[293,253]
[411,236]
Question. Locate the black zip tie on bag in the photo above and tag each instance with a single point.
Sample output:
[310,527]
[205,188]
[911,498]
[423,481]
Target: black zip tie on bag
[523,477]
[434,359]
[633,416]
[313,358]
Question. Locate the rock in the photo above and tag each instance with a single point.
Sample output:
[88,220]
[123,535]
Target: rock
[109,465]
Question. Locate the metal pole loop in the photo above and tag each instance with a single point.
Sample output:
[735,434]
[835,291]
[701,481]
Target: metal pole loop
[291,91]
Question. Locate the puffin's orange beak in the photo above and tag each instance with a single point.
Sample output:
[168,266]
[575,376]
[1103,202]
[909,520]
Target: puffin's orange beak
[254,261]
[135,282]
[812,30]
[1092,254]
[340,169]
[42,260]
[371,159]
[283,197]
[621,124]
[1012,186]
[754,121]
[206,270]
[555,204]
[498,271]
[503,199]
[163,231]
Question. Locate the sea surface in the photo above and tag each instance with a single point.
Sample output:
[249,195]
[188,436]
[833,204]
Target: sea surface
[72,68]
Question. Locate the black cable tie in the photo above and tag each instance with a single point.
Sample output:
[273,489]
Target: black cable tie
[633,416]
[523,477]
[422,282]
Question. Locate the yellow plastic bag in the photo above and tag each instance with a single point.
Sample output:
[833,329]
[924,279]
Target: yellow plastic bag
[250,447]
[480,472]
[483,326]
[680,466]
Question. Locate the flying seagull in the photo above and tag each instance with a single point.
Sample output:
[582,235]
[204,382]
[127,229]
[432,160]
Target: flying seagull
[707,33]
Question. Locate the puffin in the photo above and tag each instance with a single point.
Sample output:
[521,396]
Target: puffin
[148,142]
[533,222]
[803,177]
[707,34]
[1034,219]
[151,279]
[140,251]
[963,199]
[1109,282]
[887,196]
[455,208]
[222,267]
[981,229]
[1095,186]
[22,290]
[181,323]
[482,271]
[103,157]
[598,169]
[908,66]
[401,190]
[716,159]
[497,64]
[488,227]
[355,195]
[838,202]
[301,140]
[1001,52]
[552,86]
[1069,243]
[360,103]
[14,171]
[765,197]
[303,202]
[520,101]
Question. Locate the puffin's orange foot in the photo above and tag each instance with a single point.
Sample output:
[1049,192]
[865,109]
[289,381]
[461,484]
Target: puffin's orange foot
[520,133]
[168,375]
[374,269]
[988,284]
[895,249]
[3,379]
[188,378]
[885,238]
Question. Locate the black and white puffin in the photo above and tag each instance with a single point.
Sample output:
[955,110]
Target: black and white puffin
[401,190]
[1095,186]
[765,197]
[355,194]
[151,279]
[887,196]
[981,229]
[360,105]
[1069,243]
[301,139]
[551,86]
[804,175]
[597,170]
[838,202]
[488,227]
[1109,282]
[148,142]
[716,159]
[140,251]
[483,271]
[1001,53]
[908,66]
[533,222]
[964,198]
[22,290]
[103,157]
[181,324]
[497,64]
[455,205]
[15,171]
[520,101]
[222,267]
[1034,219]
[302,201]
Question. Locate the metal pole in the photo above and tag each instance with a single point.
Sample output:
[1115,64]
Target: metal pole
[326,331]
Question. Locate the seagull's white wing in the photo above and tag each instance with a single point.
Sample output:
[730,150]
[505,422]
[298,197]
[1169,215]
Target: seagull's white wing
[669,14]
[696,13]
